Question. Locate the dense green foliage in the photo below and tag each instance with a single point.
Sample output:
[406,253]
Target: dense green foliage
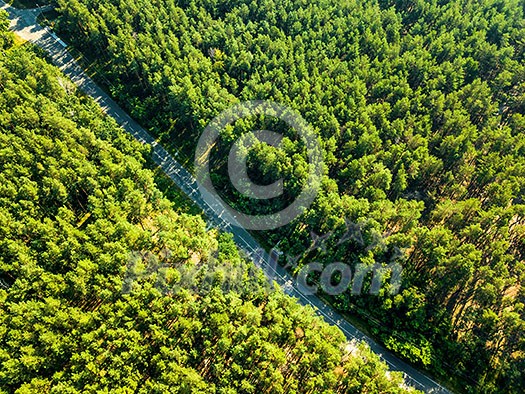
[75,200]
[419,107]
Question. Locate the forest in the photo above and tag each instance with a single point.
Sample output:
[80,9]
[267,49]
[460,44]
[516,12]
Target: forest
[419,107]
[77,198]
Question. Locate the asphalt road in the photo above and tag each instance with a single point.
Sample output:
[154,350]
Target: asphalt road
[24,23]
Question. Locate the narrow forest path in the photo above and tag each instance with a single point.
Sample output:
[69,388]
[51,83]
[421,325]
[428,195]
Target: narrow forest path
[24,24]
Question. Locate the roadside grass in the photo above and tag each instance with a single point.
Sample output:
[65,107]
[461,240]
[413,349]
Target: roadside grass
[18,41]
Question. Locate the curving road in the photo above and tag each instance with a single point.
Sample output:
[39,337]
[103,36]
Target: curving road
[24,23]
